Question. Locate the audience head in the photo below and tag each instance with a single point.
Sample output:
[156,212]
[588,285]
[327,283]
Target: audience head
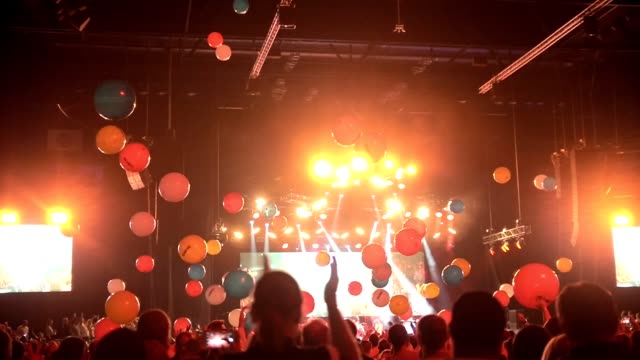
[155,325]
[365,346]
[216,325]
[353,329]
[17,351]
[587,313]
[71,348]
[5,345]
[276,316]
[635,342]
[477,325]
[398,337]
[384,345]
[432,334]
[122,344]
[374,339]
[529,343]
[315,333]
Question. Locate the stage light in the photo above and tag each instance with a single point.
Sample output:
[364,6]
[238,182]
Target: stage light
[520,243]
[411,170]
[376,234]
[344,235]
[335,235]
[423,212]
[260,203]
[356,182]
[285,246]
[402,186]
[452,231]
[256,215]
[315,246]
[492,250]
[273,236]
[59,217]
[255,230]
[288,230]
[9,217]
[394,206]
[303,212]
[436,235]
[505,247]
[322,169]
[438,214]
[622,219]
[323,216]
[359,164]
[358,245]
[388,164]
[343,174]
[399,174]
[378,182]
[238,235]
[319,231]
[450,217]
[359,231]
[320,204]
[389,182]
[304,235]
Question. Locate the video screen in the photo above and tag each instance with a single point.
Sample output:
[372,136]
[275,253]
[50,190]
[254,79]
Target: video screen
[626,246]
[407,273]
[34,258]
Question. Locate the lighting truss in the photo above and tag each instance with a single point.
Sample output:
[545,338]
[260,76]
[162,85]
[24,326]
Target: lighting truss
[268,41]
[507,234]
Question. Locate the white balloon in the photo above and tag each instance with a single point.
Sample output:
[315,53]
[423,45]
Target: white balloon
[234,317]
[508,288]
[380,298]
[223,52]
[538,182]
[215,294]
[142,224]
[115,285]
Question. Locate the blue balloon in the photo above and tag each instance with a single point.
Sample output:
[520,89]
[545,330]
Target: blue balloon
[238,284]
[114,100]
[452,275]
[379,284]
[241,6]
[197,272]
[549,184]
[270,210]
[456,206]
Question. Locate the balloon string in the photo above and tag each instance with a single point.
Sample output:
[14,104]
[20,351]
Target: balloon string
[515,150]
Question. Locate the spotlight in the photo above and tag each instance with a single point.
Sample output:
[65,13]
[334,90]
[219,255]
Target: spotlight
[288,230]
[411,170]
[423,213]
[492,250]
[322,169]
[256,215]
[260,203]
[59,217]
[315,246]
[394,206]
[303,212]
[255,230]
[285,246]
[520,243]
[399,174]
[323,216]
[359,164]
[238,235]
[438,214]
[436,235]
[9,217]
[344,235]
[319,231]
[505,247]
[273,236]
[304,235]
[320,204]
[407,214]
[402,186]
[358,245]
[452,231]
[450,217]
[359,231]
[343,174]
[388,164]
[622,219]
[335,235]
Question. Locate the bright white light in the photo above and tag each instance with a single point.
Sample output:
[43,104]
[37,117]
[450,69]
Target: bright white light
[411,170]
[256,230]
[450,217]
[452,231]
[358,245]
[256,215]
[394,206]
[285,246]
[238,235]
[343,174]
[288,230]
[359,231]
[402,186]
[260,203]
[359,164]
[273,236]
[305,236]
[407,214]
[9,217]
[344,235]
[423,212]
[399,174]
[315,246]
[303,212]
[320,204]
[59,217]
[436,235]
[438,214]
[388,164]
[323,216]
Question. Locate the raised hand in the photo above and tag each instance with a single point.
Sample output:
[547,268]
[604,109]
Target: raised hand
[266,265]
[332,285]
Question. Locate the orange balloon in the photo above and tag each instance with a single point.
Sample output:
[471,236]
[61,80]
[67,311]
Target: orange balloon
[430,290]
[110,140]
[373,256]
[192,249]
[463,264]
[399,304]
[502,175]
[122,307]
[564,264]
[214,247]
[502,297]
[445,315]
[323,258]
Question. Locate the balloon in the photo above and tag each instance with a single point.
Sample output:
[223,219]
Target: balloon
[174,187]
[445,315]
[379,284]
[534,281]
[463,264]
[122,307]
[452,275]
[408,242]
[223,52]
[279,223]
[456,206]
[373,255]
[241,6]
[399,304]
[355,288]
[323,258]
[507,288]
[432,291]
[135,157]
[145,263]
[193,288]
[114,100]
[346,133]
[549,184]
[416,224]
[142,224]
[373,144]
[215,294]
[238,284]
[197,272]
[502,175]
[192,249]
[308,303]
[103,327]
[234,317]
[270,210]
[538,182]
[406,316]
[215,39]
[564,265]
[380,298]
[180,325]
[233,202]
[382,273]
[502,297]
[115,285]
[110,140]
[214,247]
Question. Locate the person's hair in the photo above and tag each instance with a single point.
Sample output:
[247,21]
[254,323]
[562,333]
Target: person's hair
[553,326]
[71,348]
[315,333]
[374,339]
[286,305]
[352,327]
[155,325]
[398,337]
[216,325]
[529,343]
[5,345]
[587,313]
[366,346]
[122,344]
[384,345]
[413,341]
[432,334]
[17,351]
[477,325]
[635,342]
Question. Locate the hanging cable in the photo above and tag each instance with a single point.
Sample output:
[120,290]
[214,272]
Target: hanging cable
[591,103]
[615,117]
[515,151]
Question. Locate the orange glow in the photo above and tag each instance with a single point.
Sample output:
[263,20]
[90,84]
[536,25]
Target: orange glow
[388,164]
[9,217]
[322,169]
[411,170]
[238,235]
[622,219]
[359,164]
[59,217]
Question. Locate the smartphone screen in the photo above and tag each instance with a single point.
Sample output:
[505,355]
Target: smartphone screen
[219,339]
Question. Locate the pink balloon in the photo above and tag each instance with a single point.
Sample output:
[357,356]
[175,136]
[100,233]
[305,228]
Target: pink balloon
[142,224]
[180,325]
[103,327]
[533,283]
[174,187]
[445,315]
[355,288]
[502,297]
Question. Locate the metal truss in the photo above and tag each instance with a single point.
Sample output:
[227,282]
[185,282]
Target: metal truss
[507,234]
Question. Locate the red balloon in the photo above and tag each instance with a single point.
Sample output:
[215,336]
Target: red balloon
[346,133]
[407,315]
[534,282]
[382,273]
[279,223]
[233,202]
[145,263]
[417,225]
[180,325]
[502,297]
[308,303]
[103,327]
[373,255]
[408,242]
[355,288]
[215,39]
[445,315]
[193,288]
[135,157]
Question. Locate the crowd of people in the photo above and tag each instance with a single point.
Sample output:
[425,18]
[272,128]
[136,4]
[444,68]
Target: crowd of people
[587,326]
